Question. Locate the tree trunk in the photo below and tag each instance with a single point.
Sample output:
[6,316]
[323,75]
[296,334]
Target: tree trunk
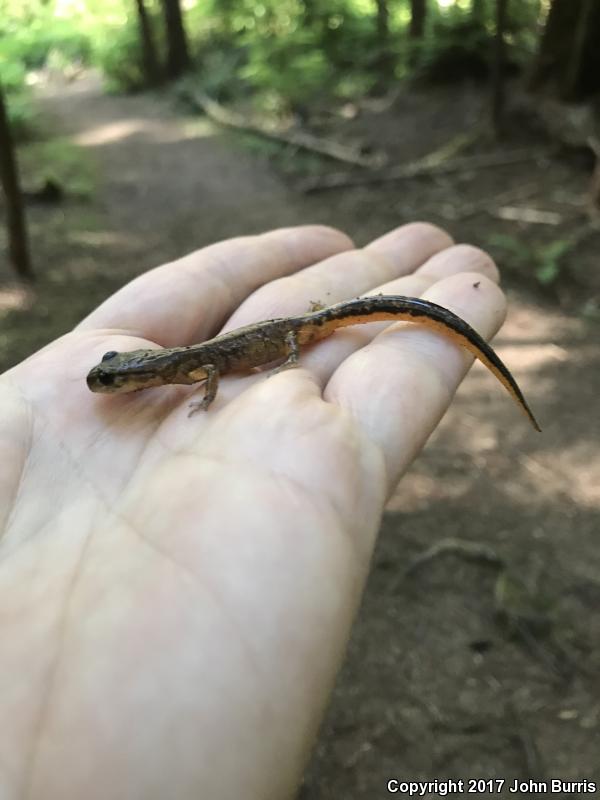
[383,22]
[568,60]
[18,251]
[416,30]
[226,9]
[385,62]
[576,61]
[498,95]
[418,15]
[178,59]
[478,12]
[308,11]
[151,66]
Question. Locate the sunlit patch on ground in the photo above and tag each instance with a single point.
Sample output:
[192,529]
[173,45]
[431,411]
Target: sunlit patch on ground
[550,476]
[99,238]
[111,132]
[151,132]
[15,298]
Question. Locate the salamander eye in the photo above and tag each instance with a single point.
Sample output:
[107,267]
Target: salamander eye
[109,355]
[106,379]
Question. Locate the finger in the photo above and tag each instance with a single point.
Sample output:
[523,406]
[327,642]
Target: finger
[339,277]
[187,300]
[328,355]
[324,358]
[399,386]
[344,275]
[459,258]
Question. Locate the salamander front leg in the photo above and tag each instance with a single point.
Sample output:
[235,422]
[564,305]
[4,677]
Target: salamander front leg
[210,389]
[293,353]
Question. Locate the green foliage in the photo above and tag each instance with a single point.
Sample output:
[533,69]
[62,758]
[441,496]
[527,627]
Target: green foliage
[119,56]
[117,47]
[294,48]
[31,31]
[59,160]
[549,260]
[459,42]
[21,115]
[31,36]
[20,110]
[544,259]
[296,70]
[220,72]
[291,48]
[457,46]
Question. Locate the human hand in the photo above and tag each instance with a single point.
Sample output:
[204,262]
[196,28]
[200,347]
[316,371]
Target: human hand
[176,594]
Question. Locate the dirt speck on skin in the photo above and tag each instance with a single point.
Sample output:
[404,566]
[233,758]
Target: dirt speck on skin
[451,672]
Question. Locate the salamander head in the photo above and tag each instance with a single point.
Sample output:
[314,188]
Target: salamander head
[127,372]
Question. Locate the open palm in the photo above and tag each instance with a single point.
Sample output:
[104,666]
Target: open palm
[175,593]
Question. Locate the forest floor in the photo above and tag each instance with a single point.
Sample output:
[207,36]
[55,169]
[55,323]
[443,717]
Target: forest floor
[464,668]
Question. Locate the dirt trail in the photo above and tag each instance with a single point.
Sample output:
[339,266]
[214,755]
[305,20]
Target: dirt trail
[172,179]
[435,684]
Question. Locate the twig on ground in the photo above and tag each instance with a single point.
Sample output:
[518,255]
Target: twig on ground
[531,216]
[295,138]
[421,167]
[517,610]
[472,551]
[515,193]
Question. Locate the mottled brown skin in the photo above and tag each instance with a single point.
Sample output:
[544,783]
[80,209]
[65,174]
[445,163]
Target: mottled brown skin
[268,341]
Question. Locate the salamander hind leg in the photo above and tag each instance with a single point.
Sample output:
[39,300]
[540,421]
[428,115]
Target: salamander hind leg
[293,353]
[210,390]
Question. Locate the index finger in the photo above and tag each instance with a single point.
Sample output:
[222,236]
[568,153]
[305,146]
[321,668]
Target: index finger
[189,299]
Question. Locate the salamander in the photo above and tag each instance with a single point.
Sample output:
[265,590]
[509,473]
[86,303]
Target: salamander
[275,339]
